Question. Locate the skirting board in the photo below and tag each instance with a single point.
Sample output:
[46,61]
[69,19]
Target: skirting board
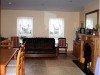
[68,51]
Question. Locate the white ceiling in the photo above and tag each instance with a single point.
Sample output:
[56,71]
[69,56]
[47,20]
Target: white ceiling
[54,5]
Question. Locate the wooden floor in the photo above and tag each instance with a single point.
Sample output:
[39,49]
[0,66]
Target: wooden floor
[61,65]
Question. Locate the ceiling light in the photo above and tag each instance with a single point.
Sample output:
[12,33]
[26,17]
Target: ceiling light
[70,1]
[9,3]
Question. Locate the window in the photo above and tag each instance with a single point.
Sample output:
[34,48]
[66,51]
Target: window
[24,26]
[56,28]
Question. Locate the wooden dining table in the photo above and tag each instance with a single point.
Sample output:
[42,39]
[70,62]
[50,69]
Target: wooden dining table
[5,56]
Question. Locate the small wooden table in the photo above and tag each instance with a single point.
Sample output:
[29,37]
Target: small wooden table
[5,56]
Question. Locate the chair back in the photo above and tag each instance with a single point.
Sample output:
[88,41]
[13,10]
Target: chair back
[62,42]
[6,43]
[20,62]
[15,40]
[18,69]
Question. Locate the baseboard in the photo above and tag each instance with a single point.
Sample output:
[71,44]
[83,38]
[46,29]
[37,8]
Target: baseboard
[63,52]
[70,52]
[41,55]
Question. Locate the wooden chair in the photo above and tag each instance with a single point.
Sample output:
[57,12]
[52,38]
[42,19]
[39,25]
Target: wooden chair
[62,44]
[15,40]
[19,69]
[23,57]
[6,43]
[12,63]
[20,64]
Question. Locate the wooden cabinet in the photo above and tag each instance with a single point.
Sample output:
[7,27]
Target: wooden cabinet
[78,48]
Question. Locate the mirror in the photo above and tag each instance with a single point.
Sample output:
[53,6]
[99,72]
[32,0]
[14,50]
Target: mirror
[91,19]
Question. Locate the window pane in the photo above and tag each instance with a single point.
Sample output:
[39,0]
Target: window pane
[56,28]
[24,26]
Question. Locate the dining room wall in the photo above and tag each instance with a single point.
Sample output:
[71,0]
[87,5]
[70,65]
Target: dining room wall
[40,23]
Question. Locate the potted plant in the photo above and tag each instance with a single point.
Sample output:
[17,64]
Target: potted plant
[97,26]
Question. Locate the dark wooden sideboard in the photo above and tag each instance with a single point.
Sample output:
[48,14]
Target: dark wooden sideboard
[78,48]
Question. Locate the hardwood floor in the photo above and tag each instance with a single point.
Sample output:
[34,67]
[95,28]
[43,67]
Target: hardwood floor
[61,65]
[81,66]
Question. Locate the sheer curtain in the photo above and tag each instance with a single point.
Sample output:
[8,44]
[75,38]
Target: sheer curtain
[24,27]
[56,28]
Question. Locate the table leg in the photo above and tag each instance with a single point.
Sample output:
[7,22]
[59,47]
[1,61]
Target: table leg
[3,70]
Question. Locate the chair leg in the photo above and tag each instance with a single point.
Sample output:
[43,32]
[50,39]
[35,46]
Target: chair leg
[66,51]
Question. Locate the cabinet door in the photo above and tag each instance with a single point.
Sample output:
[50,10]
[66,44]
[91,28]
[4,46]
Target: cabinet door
[76,49]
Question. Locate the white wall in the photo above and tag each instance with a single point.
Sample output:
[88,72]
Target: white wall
[94,5]
[40,23]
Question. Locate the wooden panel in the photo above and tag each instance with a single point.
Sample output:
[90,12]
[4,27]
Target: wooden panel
[77,49]
[94,42]
[15,40]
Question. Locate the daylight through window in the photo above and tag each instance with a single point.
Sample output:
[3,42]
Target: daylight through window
[56,28]
[24,26]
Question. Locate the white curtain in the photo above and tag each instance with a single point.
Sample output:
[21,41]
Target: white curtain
[24,26]
[56,27]
[97,68]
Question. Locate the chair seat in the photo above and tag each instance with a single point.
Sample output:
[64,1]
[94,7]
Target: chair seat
[12,63]
[10,71]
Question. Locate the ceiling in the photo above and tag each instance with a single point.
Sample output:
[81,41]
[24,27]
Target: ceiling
[52,5]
